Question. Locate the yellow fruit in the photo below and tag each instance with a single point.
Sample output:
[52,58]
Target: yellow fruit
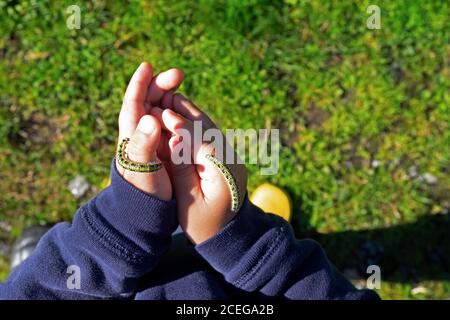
[272,199]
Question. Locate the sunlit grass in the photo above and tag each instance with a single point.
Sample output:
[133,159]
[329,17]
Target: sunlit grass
[357,109]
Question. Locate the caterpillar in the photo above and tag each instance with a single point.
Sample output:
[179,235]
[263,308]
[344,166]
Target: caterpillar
[230,180]
[127,164]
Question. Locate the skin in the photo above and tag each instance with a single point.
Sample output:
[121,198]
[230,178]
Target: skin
[152,116]
[144,91]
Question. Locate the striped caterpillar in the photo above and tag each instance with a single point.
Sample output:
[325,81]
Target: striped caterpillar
[127,164]
[229,178]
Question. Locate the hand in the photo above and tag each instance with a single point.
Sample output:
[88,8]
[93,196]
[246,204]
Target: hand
[143,93]
[203,196]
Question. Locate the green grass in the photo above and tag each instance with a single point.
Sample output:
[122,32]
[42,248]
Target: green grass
[342,96]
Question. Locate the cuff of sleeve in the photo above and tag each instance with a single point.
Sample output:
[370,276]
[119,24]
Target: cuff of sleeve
[240,249]
[134,216]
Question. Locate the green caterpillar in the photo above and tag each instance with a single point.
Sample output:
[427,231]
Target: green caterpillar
[126,163]
[231,181]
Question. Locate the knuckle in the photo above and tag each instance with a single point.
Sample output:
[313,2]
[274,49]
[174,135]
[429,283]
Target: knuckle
[136,148]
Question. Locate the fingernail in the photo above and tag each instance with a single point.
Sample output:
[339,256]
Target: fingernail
[146,125]
[169,111]
[167,79]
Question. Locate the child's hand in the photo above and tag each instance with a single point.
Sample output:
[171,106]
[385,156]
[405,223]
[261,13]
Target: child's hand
[203,196]
[144,92]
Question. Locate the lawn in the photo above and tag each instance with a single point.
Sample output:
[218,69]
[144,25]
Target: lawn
[363,114]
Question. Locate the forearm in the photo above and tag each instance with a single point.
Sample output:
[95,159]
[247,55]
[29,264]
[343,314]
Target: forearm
[257,252]
[114,239]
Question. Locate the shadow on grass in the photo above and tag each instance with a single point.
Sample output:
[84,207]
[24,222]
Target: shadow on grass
[406,253]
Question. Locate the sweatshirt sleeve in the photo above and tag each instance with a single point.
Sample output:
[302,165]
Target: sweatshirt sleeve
[114,239]
[257,252]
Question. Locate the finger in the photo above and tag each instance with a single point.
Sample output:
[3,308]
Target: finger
[157,113]
[163,82]
[167,100]
[189,110]
[185,174]
[212,182]
[173,121]
[163,148]
[163,151]
[144,142]
[139,83]
[142,148]
[184,177]
[180,126]
[133,103]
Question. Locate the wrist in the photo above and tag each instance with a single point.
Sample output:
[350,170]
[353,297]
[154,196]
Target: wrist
[140,217]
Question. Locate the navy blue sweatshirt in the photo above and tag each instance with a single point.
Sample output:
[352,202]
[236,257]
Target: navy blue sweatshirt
[122,244]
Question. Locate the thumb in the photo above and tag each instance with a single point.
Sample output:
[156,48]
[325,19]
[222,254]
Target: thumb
[144,142]
[142,148]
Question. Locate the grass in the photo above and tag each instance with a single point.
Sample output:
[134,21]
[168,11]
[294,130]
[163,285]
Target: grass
[359,111]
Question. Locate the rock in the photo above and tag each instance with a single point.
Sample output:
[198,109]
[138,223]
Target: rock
[375,163]
[419,290]
[4,226]
[397,71]
[413,172]
[5,248]
[79,186]
[429,178]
